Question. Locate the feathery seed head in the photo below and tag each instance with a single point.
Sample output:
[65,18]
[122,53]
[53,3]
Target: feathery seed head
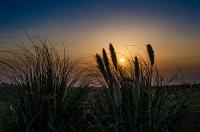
[137,68]
[99,61]
[101,65]
[105,58]
[113,55]
[150,53]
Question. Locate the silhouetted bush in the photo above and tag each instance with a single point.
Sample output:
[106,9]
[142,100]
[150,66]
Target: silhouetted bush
[130,99]
[50,90]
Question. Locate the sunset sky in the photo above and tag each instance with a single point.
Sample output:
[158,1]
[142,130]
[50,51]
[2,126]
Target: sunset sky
[87,26]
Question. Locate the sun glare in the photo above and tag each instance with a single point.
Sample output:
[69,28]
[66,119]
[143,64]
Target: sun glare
[122,60]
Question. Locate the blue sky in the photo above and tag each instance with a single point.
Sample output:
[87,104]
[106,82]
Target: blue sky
[26,13]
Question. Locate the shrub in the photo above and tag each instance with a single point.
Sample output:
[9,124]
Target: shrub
[50,90]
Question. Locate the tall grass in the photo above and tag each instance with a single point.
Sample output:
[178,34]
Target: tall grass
[130,98]
[50,90]
[53,93]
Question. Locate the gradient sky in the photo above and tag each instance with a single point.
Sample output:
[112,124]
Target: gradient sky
[87,26]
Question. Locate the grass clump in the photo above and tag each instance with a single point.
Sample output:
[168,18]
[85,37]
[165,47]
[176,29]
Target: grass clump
[50,91]
[131,99]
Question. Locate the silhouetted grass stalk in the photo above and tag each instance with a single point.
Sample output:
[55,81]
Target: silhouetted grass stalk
[151,58]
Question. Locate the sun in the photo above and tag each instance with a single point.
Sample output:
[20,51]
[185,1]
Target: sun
[122,60]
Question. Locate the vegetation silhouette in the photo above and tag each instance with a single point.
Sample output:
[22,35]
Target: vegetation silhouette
[53,93]
[129,101]
[50,91]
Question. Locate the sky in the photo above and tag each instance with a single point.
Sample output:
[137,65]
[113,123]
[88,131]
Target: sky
[87,26]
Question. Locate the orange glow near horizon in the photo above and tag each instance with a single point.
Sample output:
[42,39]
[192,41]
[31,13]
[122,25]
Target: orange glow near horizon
[172,46]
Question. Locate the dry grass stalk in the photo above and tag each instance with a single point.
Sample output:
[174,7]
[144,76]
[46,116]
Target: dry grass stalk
[137,68]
